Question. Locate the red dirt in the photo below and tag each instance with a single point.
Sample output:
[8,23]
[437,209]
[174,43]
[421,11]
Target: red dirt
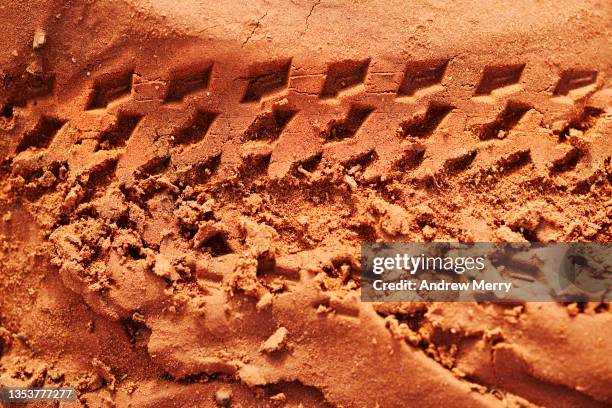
[186,185]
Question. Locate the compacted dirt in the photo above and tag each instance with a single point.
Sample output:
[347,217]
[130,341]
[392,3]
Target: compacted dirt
[185,187]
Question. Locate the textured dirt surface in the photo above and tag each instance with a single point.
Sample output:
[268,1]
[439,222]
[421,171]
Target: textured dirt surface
[185,187]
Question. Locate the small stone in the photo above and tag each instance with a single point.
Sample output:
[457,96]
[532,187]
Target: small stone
[280,397]
[505,234]
[40,38]
[264,302]
[138,317]
[351,182]
[354,169]
[575,132]
[573,310]
[558,126]
[429,233]
[34,68]
[47,179]
[276,341]
[223,397]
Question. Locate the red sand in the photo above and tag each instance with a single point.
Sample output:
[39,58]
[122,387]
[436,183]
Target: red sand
[185,187]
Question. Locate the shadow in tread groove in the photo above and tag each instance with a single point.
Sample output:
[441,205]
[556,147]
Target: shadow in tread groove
[347,127]
[7,117]
[423,74]
[309,165]
[42,134]
[266,78]
[362,161]
[154,166]
[583,122]
[411,159]
[188,81]
[423,125]
[117,136]
[196,129]
[505,121]
[514,161]
[202,172]
[108,88]
[268,125]
[574,79]
[567,162]
[19,89]
[342,75]
[6,111]
[457,164]
[494,77]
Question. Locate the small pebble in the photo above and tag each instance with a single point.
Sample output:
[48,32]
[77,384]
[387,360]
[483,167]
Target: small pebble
[40,38]
[223,397]
[429,233]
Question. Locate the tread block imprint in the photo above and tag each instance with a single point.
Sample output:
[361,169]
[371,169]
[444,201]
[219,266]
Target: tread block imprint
[348,126]
[268,125]
[505,121]
[266,78]
[343,75]
[499,76]
[20,89]
[514,160]
[583,122]
[118,134]
[461,161]
[110,87]
[188,81]
[196,129]
[42,135]
[424,124]
[574,79]
[420,75]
